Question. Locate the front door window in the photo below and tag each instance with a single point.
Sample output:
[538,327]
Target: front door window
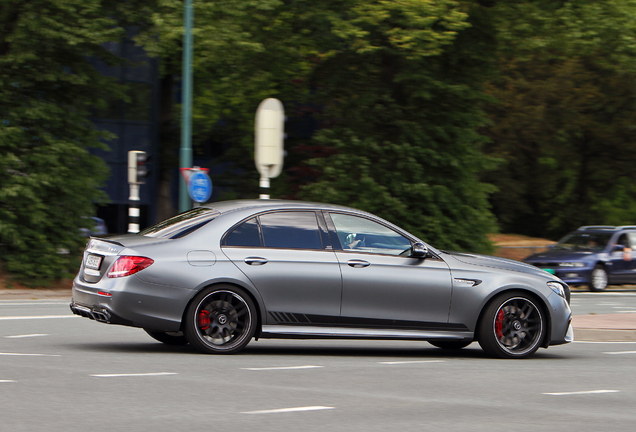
[363,235]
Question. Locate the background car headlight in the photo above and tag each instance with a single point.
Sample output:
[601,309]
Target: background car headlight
[557,288]
[571,264]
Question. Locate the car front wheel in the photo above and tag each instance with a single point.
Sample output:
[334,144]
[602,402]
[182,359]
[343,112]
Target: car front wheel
[220,320]
[599,279]
[512,326]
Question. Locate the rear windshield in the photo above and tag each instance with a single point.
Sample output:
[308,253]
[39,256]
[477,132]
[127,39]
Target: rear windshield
[181,224]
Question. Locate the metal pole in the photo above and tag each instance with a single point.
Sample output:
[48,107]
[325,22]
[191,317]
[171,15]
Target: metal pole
[133,209]
[186,111]
[264,187]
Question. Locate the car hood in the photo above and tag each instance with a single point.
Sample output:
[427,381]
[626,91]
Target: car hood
[559,255]
[496,262]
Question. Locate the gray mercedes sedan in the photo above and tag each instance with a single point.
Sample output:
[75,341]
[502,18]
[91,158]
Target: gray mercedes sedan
[219,275]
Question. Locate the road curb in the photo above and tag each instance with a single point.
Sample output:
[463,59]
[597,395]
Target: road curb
[604,335]
[34,294]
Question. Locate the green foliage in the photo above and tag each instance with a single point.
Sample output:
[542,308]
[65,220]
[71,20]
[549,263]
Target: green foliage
[565,115]
[48,179]
[393,87]
[403,117]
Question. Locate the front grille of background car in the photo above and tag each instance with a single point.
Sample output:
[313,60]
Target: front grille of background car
[545,264]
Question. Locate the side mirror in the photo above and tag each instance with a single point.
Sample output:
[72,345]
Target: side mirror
[618,248]
[419,250]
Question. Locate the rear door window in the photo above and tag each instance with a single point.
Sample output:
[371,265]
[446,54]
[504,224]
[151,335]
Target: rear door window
[246,234]
[291,230]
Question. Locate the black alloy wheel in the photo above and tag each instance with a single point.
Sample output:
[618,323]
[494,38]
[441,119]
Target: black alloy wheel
[220,320]
[169,338]
[512,326]
[450,344]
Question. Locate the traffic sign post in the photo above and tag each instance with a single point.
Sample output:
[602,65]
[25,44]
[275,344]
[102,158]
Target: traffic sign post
[137,171]
[200,187]
[198,182]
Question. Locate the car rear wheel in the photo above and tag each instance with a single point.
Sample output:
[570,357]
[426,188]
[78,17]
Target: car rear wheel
[450,344]
[169,338]
[512,326]
[599,279]
[220,320]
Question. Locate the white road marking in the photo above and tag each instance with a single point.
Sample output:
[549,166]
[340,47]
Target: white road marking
[605,342]
[624,311]
[1,381]
[26,336]
[6,318]
[283,368]
[134,374]
[621,352]
[33,355]
[413,361]
[624,307]
[582,392]
[286,410]
[34,303]
[609,294]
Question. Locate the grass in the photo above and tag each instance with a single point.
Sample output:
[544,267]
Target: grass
[517,247]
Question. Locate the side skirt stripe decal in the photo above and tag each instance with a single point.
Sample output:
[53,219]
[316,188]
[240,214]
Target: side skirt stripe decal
[288,318]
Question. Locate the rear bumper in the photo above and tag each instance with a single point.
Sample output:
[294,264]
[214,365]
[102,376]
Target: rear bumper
[99,314]
[131,302]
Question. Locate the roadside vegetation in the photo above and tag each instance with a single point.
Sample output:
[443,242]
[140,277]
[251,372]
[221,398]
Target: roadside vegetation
[452,118]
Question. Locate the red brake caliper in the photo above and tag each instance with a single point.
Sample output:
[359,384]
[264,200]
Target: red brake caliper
[499,324]
[204,320]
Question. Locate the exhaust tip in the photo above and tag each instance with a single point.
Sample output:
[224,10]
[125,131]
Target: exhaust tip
[94,314]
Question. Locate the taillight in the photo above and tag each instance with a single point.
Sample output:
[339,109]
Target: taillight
[128,265]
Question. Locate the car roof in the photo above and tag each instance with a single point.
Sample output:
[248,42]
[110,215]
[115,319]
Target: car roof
[267,204]
[604,228]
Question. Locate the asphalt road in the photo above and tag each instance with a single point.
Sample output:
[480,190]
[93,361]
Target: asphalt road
[616,301]
[59,372]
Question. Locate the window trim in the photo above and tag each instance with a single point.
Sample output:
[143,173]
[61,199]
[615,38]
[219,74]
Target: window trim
[320,223]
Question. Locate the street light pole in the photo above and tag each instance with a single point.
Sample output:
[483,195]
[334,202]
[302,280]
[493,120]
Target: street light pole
[186,109]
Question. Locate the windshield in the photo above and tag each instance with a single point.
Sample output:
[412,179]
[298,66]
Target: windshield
[181,224]
[595,242]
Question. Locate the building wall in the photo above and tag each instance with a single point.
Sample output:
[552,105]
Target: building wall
[135,124]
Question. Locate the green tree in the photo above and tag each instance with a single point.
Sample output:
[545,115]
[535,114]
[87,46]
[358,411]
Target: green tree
[48,86]
[564,116]
[394,88]
[404,110]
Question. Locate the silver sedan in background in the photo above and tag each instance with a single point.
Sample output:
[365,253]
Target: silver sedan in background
[221,274]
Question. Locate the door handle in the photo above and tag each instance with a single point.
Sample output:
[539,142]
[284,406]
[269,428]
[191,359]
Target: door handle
[355,263]
[255,261]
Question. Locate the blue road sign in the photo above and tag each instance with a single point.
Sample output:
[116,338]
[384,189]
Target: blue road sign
[200,187]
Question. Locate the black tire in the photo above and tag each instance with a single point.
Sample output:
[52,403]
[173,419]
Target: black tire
[512,326]
[220,320]
[169,338]
[598,279]
[450,344]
